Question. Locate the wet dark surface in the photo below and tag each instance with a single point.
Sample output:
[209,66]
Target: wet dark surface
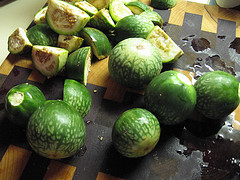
[200,148]
[187,38]
[211,63]
[200,44]
[217,63]
[235,44]
[221,37]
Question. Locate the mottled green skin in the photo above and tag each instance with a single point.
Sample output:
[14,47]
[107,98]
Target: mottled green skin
[101,21]
[42,34]
[137,7]
[56,130]
[217,94]
[133,26]
[78,96]
[76,64]
[33,98]
[163,4]
[154,17]
[136,133]
[98,41]
[134,62]
[170,99]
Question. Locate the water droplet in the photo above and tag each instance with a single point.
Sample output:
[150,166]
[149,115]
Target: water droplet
[179,152]
[216,63]
[204,164]
[187,152]
[82,151]
[156,158]
[209,151]
[88,122]
[220,136]
[235,44]
[221,37]
[235,161]
[197,65]
[187,38]
[200,44]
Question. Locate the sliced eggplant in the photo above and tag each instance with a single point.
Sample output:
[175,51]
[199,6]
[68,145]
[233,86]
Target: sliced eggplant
[48,60]
[18,42]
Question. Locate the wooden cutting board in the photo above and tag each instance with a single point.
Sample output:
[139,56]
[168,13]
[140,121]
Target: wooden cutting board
[205,151]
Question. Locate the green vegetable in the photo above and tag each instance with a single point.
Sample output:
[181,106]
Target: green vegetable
[137,7]
[154,17]
[42,34]
[133,26]
[87,7]
[71,1]
[40,16]
[136,133]
[65,18]
[169,50]
[163,4]
[56,130]
[78,64]
[18,42]
[99,4]
[78,96]
[98,41]
[102,21]
[118,10]
[217,94]
[21,101]
[171,97]
[70,42]
[134,62]
[127,1]
[49,60]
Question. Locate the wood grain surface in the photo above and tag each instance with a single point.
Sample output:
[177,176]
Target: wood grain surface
[179,155]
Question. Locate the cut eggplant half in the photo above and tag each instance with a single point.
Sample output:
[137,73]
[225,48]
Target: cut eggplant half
[48,60]
[18,42]
[65,18]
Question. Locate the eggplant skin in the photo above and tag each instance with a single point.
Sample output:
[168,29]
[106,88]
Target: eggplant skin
[21,101]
